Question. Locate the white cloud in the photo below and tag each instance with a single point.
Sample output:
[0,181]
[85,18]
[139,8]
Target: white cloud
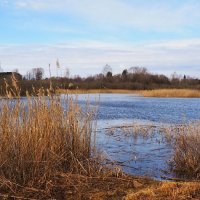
[89,57]
[151,15]
[177,44]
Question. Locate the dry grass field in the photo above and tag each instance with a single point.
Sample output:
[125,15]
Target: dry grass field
[95,91]
[171,93]
[168,93]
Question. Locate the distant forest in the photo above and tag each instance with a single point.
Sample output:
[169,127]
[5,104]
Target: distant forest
[134,78]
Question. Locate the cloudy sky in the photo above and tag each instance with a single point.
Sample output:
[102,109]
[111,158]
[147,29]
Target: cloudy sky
[84,35]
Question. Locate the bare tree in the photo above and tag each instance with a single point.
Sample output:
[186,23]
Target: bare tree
[107,68]
[125,74]
[39,73]
[175,76]
[109,75]
[137,70]
[67,73]
[36,73]
[28,75]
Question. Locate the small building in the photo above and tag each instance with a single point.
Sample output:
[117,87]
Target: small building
[8,75]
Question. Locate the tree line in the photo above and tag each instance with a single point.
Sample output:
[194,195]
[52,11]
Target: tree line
[134,78]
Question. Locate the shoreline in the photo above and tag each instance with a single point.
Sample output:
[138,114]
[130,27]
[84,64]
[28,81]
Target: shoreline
[94,91]
[163,93]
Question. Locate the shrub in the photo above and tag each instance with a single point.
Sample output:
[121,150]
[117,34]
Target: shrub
[186,158]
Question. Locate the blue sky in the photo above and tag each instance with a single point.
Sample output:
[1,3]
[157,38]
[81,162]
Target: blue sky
[84,35]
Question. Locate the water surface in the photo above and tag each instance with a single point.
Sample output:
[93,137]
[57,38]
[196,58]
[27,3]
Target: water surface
[146,157]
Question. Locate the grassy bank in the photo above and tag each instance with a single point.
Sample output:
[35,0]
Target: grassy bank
[167,191]
[172,93]
[167,93]
[95,91]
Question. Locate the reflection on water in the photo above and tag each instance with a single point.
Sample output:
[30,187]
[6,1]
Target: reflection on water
[138,155]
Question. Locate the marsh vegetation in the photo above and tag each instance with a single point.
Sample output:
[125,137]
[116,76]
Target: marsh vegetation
[48,150]
[42,138]
[171,93]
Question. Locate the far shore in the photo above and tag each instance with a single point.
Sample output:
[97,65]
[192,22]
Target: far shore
[165,93]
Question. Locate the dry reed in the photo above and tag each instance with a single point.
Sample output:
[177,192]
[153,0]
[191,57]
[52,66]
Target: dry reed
[172,93]
[167,191]
[186,157]
[41,137]
[95,91]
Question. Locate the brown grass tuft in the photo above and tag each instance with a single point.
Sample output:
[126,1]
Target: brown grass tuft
[167,191]
[186,158]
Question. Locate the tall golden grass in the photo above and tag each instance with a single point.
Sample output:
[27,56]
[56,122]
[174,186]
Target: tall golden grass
[173,93]
[186,157]
[94,91]
[41,137]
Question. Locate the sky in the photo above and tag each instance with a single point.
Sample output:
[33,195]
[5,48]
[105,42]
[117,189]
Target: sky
[85,35]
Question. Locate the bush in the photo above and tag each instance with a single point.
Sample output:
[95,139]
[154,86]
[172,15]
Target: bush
[186,159]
